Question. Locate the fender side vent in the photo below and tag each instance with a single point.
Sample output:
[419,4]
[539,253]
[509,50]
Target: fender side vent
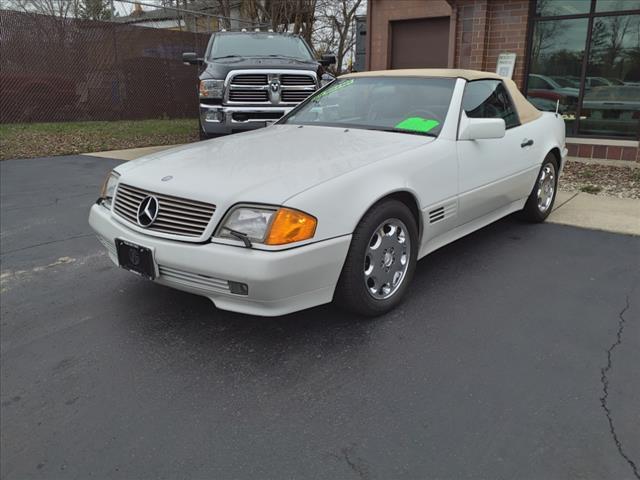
[442,212]
[436,215]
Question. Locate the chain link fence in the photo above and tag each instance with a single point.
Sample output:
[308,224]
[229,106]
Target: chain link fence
[56,68]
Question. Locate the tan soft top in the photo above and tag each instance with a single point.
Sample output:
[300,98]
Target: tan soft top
[526,111]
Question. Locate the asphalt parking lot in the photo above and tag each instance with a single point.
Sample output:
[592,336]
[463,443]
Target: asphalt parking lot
[515,355]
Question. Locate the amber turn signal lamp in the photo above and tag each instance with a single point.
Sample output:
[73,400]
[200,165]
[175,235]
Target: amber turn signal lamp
[290,226]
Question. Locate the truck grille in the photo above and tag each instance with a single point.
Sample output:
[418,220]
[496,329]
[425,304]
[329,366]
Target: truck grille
[288,79]
[274,88]
[176,216]
[250,79]
[249,96]
[295,96]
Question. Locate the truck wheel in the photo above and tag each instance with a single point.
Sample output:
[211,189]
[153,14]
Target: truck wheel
[381,260]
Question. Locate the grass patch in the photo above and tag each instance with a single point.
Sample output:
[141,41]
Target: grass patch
[27,140]
[590,189]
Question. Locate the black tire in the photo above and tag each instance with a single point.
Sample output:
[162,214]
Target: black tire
[536,210]
[352,292]
[203,135]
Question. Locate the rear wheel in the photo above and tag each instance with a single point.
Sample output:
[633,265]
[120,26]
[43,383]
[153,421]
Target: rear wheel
[381,260]
[541,199]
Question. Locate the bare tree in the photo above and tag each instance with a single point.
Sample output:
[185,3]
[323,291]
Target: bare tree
[336,30]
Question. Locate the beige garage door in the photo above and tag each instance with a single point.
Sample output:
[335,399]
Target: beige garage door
[421,43]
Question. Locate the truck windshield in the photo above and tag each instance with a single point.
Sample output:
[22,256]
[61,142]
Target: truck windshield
[259,45]
[410,105]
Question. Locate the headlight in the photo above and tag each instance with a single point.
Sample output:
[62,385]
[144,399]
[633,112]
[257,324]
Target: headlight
[109,188]
[268,225]
[211,88]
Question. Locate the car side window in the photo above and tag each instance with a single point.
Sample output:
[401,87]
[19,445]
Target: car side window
[489,99]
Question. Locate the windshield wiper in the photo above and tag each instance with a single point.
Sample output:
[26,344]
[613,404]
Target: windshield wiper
[240,236]
[402,130]
[224,56]
[286,56]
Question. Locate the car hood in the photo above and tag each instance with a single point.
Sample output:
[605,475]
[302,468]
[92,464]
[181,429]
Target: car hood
[263,166]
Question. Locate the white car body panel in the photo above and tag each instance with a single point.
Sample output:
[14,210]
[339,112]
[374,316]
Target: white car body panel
[336,175]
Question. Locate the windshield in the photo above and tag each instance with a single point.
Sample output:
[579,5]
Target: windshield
[259,45]
[400,104]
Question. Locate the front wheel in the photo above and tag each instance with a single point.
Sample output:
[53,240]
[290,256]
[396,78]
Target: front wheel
[381,260]
[541,199]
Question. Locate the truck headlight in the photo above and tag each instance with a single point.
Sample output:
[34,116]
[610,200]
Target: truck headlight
[268,225]
[211,88]
[109,188]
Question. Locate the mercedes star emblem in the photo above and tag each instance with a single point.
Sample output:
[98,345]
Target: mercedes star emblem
[147,211]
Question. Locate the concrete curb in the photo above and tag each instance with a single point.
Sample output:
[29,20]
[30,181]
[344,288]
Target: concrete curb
[597,212]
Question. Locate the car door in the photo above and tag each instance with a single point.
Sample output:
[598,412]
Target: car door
[493,173]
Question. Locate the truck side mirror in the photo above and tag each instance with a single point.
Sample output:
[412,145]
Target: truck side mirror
[191,58]
[328,59]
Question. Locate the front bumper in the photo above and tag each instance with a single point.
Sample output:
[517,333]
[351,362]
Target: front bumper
[222,119]
[279,282]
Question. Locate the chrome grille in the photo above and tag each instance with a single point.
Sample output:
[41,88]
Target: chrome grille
[250,79]
[271,88]
[291,96]
[288,79]
[176,216]
[248,96]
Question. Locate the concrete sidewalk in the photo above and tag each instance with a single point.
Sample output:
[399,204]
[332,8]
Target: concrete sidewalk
[595,212]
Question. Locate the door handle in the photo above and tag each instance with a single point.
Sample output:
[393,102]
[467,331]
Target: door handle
[526,143]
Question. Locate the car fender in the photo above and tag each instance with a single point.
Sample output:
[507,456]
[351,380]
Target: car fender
[340,203]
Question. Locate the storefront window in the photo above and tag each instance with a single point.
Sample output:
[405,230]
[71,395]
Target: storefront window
[588,64]
[611,102]
[556,62]
[552,8]
[616,5]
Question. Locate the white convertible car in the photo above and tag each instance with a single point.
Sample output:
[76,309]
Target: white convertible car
[340,198]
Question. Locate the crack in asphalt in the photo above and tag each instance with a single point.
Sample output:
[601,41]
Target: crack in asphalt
[356,465]
[604,379]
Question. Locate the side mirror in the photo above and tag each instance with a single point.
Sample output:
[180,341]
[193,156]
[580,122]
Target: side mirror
[481,128]
[191,58]
[327,60]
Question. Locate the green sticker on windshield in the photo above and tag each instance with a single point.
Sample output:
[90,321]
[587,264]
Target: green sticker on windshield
[417,124]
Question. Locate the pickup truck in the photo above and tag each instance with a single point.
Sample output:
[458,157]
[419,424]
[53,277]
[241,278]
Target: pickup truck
[249,79]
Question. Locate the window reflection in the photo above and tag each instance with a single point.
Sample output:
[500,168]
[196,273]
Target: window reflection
[611,103]
[613,5]
[550,8]
[557,52]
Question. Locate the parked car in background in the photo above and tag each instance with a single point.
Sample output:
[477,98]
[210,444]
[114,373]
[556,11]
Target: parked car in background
[545,92]
[340,198]
[611,110]
[251,79]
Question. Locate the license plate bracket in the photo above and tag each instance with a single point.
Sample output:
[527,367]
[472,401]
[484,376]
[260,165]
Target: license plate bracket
[136,259]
